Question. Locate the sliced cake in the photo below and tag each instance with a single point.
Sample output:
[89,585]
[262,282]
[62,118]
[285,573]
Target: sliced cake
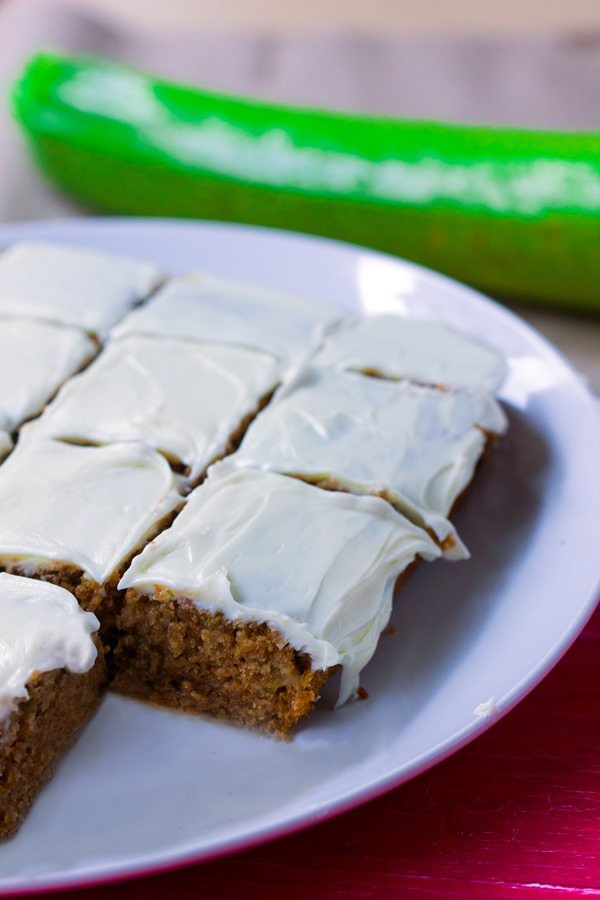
[72,285]
[415,446]
[260,589]
[421,350]
[190,401]
[75,515]
[35,359]
[51,673]
[204,308]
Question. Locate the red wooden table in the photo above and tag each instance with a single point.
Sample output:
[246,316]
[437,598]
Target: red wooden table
[516,813]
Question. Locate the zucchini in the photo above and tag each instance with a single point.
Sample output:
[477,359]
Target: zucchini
[514,212]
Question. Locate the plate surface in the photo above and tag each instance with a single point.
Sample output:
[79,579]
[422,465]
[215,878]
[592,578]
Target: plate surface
[146,789]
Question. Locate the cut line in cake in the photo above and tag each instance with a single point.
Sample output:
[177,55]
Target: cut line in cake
[415,446]
[260,589]
[242,599]
[51,676]
[425,351]
[205,308]
[74,286]
[35,359]
[190,401]
[75,515]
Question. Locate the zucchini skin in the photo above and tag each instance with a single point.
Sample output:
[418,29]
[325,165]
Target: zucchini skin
[513,212]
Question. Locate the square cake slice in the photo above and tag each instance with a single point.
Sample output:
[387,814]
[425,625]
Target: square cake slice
[204,308]
[51,674]
[71,285]
[35,359]
[424,351]
[415,446]
[262,587]
[189,401]
[75,515]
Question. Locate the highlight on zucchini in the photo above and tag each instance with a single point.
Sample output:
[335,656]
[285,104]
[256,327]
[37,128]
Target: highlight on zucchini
[514,212]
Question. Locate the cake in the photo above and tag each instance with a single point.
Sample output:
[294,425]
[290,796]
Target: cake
[243,592]
[190,401]
[422,350]
[75,515]
[260,589]
[204,308]
[415,446]
[51,673]
[35,359]
[72,285]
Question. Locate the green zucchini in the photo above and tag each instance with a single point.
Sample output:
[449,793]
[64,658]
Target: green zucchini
[514,212]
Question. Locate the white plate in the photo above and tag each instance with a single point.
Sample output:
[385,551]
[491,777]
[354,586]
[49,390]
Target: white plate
[145,789]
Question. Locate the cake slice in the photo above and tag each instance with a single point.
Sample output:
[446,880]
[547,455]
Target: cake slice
[75,515]
[421,350]
[415,446]
[35,359]
[259,591]
[204,308]
[51,673]
[189,401]
[71,285]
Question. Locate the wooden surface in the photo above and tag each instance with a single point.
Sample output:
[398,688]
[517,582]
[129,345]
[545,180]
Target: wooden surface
[517,813]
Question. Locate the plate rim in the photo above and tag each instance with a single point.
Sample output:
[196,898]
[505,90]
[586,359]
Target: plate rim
[452,744]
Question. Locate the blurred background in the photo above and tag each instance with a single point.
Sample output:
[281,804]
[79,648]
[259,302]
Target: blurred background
[534,63]
[376,17]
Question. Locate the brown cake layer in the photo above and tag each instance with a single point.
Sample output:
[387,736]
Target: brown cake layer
[371,372]
[102,599]
[171,653]
[93,597]
[39,732]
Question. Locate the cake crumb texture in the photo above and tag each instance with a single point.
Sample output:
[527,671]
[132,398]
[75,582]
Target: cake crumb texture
[175,655]
[39,732]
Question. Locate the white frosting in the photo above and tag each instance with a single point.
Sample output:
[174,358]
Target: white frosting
[418,445]
[183,398]
[71,285]
[421,350]
[88,506]
[317,566]
[41,628]
[203,308]
[35,359]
